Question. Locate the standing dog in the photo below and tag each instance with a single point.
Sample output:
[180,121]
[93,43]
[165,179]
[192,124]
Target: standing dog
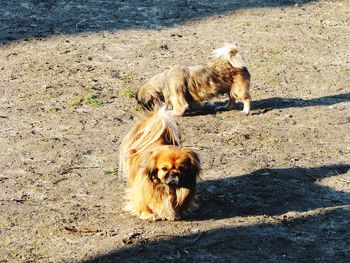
[182,87]
[162,176]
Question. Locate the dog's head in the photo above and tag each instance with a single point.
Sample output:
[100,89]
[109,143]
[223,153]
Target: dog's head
[232,54]
[173,166]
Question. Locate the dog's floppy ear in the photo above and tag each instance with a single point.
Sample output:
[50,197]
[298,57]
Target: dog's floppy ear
[194,162]
[151,170]
[192,169]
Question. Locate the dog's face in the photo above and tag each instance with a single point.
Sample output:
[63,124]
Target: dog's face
[173,166]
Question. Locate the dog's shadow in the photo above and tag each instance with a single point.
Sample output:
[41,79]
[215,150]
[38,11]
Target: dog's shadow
[269,192]
[204,109]
[265,105]
[283,103]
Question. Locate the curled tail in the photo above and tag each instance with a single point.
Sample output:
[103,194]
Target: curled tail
[232,54]
[158,126]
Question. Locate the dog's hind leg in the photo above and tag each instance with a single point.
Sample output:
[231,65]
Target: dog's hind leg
[230,104]
[242,92]
[246,105]
[178,109]
[178,100]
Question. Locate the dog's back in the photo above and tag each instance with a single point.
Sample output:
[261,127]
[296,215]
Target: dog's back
[157,90]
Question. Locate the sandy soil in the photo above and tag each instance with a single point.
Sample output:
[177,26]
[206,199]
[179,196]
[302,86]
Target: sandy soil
[275,185]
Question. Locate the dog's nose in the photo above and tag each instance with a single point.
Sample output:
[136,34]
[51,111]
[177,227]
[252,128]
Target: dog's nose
[174,175]
[173,179]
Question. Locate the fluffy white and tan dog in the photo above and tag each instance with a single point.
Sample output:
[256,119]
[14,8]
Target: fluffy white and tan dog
[162,176]
[180,88]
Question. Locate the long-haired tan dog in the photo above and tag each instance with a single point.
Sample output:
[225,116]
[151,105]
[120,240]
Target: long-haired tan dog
[182,87]
[162,176]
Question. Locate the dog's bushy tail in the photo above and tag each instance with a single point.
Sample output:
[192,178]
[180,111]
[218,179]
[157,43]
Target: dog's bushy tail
[232,54]
[157,125]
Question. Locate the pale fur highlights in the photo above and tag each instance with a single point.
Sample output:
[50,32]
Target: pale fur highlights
[231,53]
[146,132]
[182,88]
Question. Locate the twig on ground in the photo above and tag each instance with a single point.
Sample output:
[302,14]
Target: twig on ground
[82,229]
[81,21]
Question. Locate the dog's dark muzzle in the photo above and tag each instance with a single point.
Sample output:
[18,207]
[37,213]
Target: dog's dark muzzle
[173,179]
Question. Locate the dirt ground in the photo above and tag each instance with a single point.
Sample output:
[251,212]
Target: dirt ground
[275,185]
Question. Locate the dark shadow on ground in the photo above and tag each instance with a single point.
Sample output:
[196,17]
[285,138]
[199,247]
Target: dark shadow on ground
[20,19]
[283,103]
[270,192]
[321,237]
[266,105]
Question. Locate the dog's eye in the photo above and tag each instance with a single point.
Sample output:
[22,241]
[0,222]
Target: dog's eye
[182,168]
[164,169]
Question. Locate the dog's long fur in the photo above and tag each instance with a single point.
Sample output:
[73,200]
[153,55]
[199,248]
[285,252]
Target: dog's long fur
[161,175]
[180,87]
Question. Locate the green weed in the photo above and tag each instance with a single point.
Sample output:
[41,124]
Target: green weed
[92,101]
[88,100]
[128,93]
[273,81]
[112,172]
[50,110]
[137,107]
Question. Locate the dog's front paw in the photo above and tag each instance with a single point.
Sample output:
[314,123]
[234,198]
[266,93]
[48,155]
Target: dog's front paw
[173,218]
[245,112]
[177,217]
[148,216]
[174,113]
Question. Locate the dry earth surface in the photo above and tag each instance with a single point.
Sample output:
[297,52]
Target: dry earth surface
[275,185]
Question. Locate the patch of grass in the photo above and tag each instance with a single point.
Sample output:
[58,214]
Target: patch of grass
[137,107]
[154,42]
[128,93]
[111,172]
[88,100]
[6,224]
[274,123]
[130,76]
[246,24]
[39,243]
[5,244]
[21,96]
[273,81]
[92,101]
[50,110]
[76,102]
[273,57]
[271,141]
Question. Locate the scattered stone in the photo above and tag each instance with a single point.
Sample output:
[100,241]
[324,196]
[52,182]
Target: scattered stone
[131,237]
[164,47]
[56,137]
